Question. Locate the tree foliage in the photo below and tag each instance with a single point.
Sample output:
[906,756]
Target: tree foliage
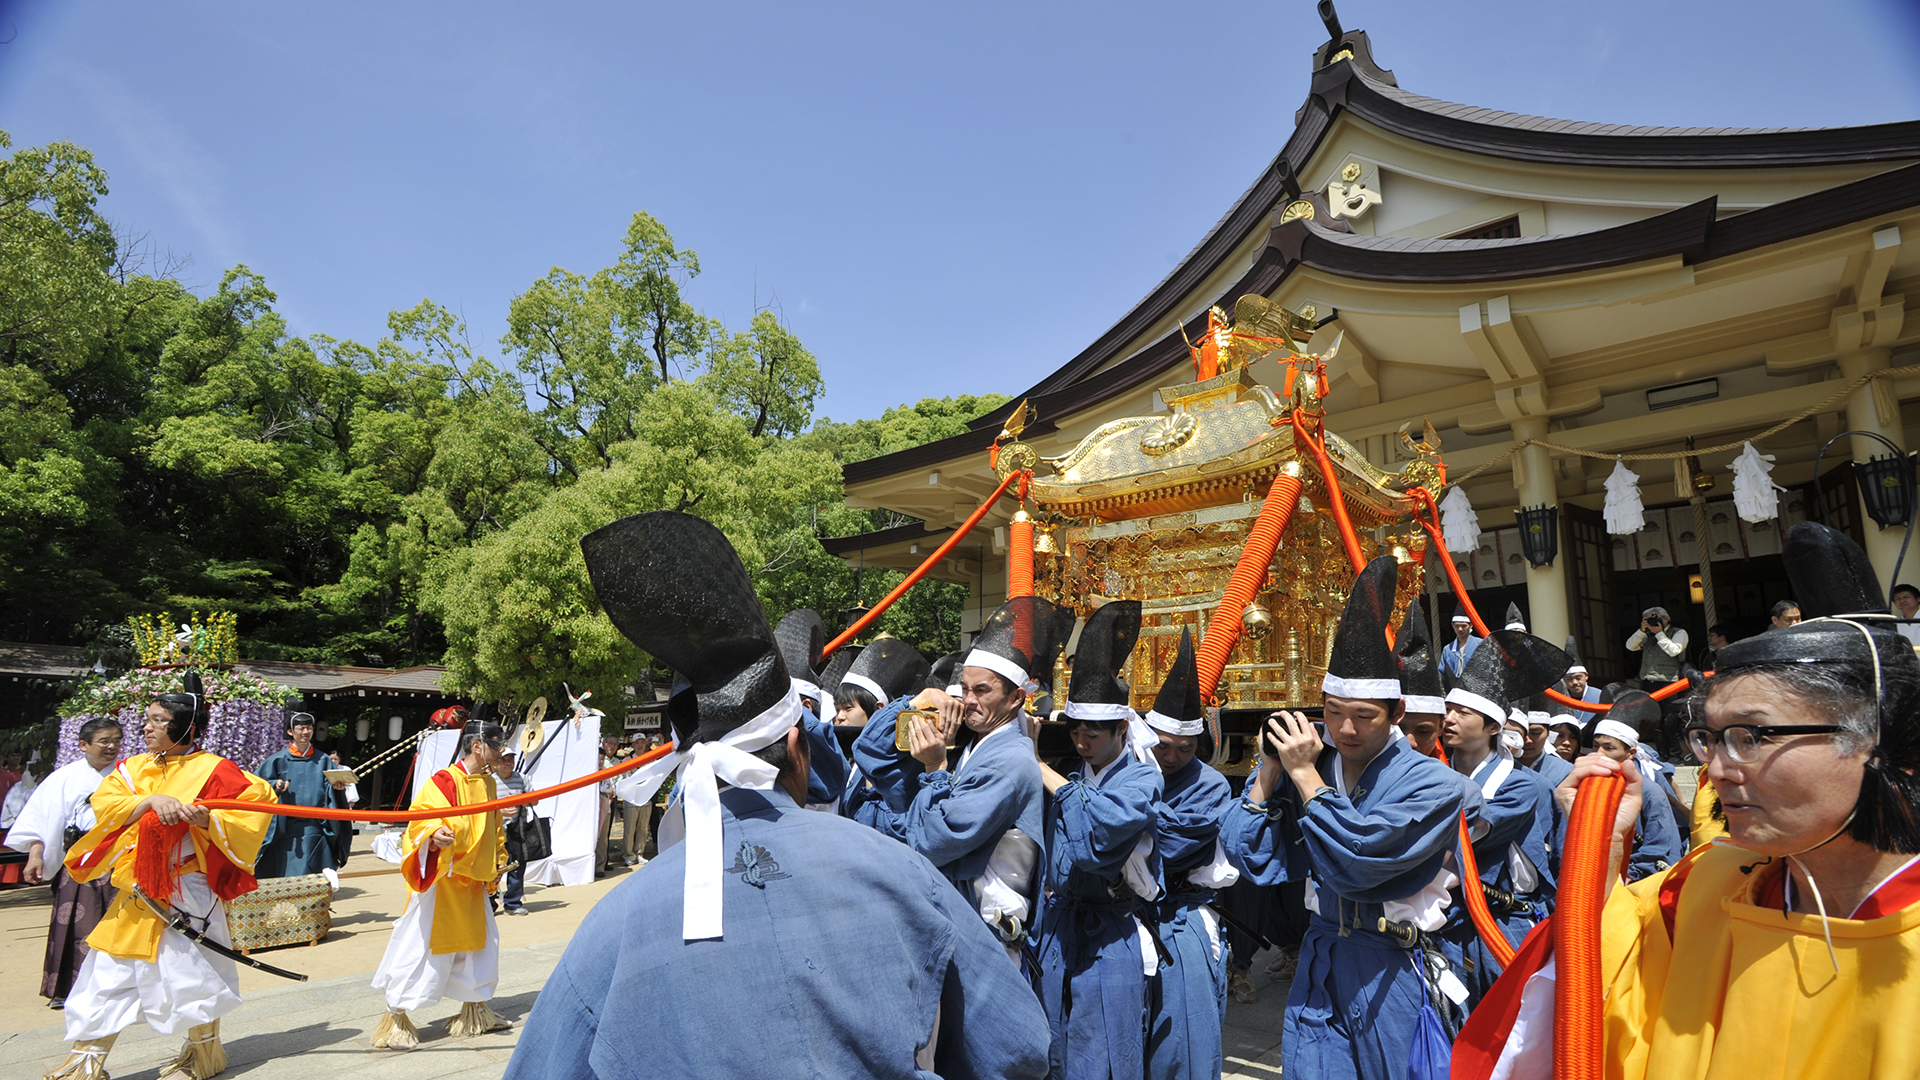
[412,500]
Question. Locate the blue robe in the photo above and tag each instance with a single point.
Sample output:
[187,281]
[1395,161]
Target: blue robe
[841,948]
[298,846]
[827,766]
[1454,656]
[1590,694]
[956,818]
[1519,814]
[1092,981]
[890,777]
[1657,840]
[1357,994]
[1183,1028]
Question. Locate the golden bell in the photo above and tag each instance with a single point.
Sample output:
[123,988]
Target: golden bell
[1256,620]
[1044,543]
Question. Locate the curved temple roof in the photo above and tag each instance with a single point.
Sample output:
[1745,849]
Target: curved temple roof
[1354,83]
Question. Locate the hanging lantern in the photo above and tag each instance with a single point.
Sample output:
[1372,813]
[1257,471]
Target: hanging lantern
[1539,533]
[362,729]
[1459,523]
[1754,495]
[1887,488]
[393,729]
[1625,512]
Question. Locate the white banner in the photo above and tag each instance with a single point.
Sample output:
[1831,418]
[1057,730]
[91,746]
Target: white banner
[575,816]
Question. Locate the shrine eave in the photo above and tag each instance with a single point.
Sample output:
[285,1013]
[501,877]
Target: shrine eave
[1693,233]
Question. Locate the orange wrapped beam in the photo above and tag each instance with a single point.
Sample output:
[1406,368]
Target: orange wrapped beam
[1020,555]
[1579,1004]
[1223,632]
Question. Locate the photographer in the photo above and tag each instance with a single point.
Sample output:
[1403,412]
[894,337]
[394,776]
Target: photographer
[1661,665]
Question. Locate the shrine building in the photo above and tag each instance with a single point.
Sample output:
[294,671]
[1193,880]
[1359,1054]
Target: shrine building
[1601,288]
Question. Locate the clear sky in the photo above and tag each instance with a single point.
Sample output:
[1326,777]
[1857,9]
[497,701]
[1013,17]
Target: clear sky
[940,198]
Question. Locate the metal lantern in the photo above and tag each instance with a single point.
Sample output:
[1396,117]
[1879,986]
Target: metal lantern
[1887,487]
[1539,533]
[853,614]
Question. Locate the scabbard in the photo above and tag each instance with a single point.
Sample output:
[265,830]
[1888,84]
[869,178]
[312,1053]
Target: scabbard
[178,921]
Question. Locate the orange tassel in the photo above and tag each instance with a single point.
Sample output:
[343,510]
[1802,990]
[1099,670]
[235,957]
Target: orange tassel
[153,861]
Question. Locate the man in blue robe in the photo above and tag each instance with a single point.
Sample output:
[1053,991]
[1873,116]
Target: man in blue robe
[298,846]
[1515,826]
[1184,1023]
[1372,821]
[1658,842]
[1455,654]
[1096,944]
[977,813]
[793,943]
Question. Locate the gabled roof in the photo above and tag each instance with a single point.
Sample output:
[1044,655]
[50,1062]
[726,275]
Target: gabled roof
[1357,85]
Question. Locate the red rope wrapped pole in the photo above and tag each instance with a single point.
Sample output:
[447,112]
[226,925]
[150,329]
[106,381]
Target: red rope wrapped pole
[1579,1012]
[1255,559]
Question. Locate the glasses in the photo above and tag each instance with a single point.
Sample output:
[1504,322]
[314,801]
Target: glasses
[1743,740]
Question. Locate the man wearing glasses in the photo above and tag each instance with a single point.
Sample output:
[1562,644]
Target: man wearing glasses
[1790,950]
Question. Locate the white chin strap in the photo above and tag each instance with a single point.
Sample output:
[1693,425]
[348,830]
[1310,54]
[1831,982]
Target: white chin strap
[695,813]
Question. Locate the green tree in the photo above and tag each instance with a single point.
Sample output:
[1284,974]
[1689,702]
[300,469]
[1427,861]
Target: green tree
[766,376]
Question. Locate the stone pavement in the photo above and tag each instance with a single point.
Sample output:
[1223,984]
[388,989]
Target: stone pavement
[289,1033]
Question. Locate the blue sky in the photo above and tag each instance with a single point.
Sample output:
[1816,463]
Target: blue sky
[940,199]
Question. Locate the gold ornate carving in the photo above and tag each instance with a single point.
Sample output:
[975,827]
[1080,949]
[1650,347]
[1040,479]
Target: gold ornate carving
[1016,457]
[1168,433]
[1351,172]
[1298,208]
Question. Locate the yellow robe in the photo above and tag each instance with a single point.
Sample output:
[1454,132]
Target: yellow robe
[1705,829]
[224,851]
[467,870]
[1742,992]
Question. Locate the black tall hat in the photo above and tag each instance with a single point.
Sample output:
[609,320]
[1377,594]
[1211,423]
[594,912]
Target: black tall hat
[945,671]
[1572,649]
[1634,717]
[1508,667]
[837,666]
[1420,682]
[1830,576]
[1021,639]
[1177,708]
[1460,614]
[801,636]
[1106,641]
[675,587]
[889,668]
[1514,621]
[1361,663]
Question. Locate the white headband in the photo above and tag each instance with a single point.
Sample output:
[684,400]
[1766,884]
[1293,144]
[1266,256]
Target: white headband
[1160,721]
[1624,732]
[868,685]
[1577,669]
[1484,706]
[1427,705]
[1382,689]
[1096,710]
[997,664]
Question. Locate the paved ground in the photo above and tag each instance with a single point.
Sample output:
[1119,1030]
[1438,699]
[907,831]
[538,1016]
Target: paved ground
[287,1031]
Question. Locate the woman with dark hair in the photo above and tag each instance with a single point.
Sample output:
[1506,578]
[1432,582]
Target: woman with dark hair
[161,849]
[445,944]
[61,810]
[1792,949]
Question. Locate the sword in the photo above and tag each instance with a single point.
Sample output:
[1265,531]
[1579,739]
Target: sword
[178,921]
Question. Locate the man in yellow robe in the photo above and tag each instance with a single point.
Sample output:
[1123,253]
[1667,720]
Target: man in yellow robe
[1792,948]
[184,857]
[445,943]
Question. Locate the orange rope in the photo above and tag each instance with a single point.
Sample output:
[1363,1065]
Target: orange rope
[524,798]
[1579,1033]
[914,578]
[1476,898]
[1256,558]
[1337,504]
